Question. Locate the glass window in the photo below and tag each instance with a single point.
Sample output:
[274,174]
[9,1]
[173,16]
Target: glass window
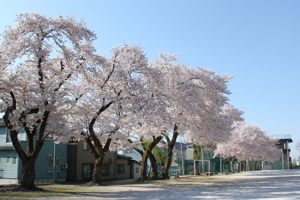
[86,146]
[14,160]
[2,130]
[121,169]
[8,139]
[137,170]
[50,162]
[7,160]
[86,171]
[105,170]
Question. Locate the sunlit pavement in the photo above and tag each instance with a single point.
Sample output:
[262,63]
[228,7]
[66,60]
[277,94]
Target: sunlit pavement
[249,185]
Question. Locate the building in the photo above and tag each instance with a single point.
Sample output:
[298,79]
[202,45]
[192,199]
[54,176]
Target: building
[50,165]
[115,166]
[211,164]
[285,161]
[61,162]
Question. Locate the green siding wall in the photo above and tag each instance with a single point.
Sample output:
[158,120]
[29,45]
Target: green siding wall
[8,164]
[43,173]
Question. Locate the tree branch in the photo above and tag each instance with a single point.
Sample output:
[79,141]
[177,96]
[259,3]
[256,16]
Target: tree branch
[102,109]
[110,73]
[13,131]
[107,144]
[93,149]
[67,77]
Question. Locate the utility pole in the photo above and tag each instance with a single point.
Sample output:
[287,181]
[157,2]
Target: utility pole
[182,159]
[54,162]
[282,159]
[202,159]
[287,156]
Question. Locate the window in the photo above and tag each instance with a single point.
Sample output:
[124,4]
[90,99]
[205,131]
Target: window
[86,171]
[50,163]
[5,133]
[14,160]
[7,160]
[86,146]
[2,130]
[105,170]
[137,170]
[121,169]
[8,139]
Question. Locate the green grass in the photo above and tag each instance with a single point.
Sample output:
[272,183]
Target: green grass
[49,191]
[29,195]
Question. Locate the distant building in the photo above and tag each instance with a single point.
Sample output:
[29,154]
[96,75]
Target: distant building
[211,164]
[285,161]
[115,166]
[283,144]
[11,165]
[61,162]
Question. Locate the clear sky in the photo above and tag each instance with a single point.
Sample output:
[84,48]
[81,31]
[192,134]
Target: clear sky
[255,41]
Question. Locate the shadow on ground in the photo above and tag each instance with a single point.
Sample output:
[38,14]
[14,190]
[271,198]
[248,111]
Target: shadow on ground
[282,187]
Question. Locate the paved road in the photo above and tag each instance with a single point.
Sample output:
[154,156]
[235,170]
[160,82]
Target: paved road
[251,185]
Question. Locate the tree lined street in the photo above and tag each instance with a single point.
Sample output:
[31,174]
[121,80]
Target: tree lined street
[57,86]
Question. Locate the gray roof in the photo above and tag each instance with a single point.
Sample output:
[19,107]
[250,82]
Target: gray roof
[178,145]
[289,140]
[124,156]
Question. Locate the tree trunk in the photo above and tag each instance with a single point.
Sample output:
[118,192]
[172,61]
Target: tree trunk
[195,168]
[153,163]
[28,161]
[154,166]
[96,176]
[232,165]
[99,152]
[202,160]
[171,144]
[28,174]
[144,165]
[196,155]
[147,150]
[165,174]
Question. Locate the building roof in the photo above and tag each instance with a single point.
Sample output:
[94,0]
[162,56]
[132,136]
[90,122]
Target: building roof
[289,140]
[123,156]
[137,162]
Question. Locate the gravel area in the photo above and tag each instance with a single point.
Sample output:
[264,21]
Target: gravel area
[248,185]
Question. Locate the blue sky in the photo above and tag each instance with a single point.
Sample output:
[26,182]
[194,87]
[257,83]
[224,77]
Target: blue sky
[255,41]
